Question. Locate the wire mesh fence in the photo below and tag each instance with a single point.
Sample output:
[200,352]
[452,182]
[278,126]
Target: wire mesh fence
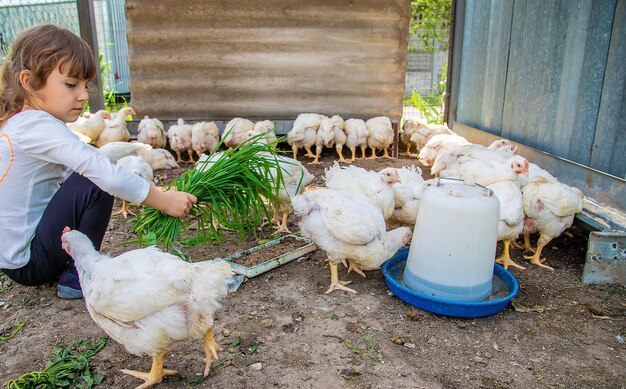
[17,15]
[427,55]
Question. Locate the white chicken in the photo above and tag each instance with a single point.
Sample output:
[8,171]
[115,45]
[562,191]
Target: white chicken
[407,193]
[417,132]
[487,171]
[151,132]
[534,171]
[91,125]
[159,159]
[115,130]
[136,165]
[116,150]
[147,300]
[380,135]
[549,209]
[500,149]
[356,136]
[348,228]
[303,133]
[511,222]
[376,186]
[268,128]
[179,136]
[437,145]
[234,130]
[204,137]
[330,134]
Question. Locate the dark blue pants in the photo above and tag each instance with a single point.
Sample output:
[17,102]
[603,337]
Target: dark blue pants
[79,204]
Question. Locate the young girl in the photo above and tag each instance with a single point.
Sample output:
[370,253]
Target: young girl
[43,84]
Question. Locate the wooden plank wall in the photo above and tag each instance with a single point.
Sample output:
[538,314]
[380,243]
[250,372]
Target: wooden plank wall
[267,59]
[550,75]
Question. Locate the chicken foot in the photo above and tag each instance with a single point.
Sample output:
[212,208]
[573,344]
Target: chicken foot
[536,259]
[210,350]
[156,374]
[124,211]
[373,154]
[334,279]
[353,158]
[282,227]
[190,152]
[318,152]
[354,266]
[309,153]
[339,149]
[505,258]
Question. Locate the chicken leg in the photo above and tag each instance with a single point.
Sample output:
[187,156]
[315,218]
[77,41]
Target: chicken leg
[294,149]
[178,158]
[354,266]
[536,259]
[373,154]
[353,150]
[505,258]
[190,152]
[156,374]
[339,149]
[309,153]
[282,227]
[334,279]
[318,152]
[386,153]
[363,148]
[210,350]
[124,211]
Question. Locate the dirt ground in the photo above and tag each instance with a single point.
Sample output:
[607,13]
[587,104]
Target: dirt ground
[281,330]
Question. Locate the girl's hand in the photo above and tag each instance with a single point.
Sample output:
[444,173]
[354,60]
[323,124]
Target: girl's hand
[178,204]
[172,202]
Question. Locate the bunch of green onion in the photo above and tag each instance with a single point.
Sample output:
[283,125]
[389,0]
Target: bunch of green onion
[231,191]
[69,368]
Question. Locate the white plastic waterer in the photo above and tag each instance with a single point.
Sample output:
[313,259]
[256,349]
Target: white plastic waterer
[454,242]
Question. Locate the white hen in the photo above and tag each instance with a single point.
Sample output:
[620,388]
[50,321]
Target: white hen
[330,134]
[90,125]
[347,227]
[356,136]
[437,145]
[115,130]
[407,193]
[179,136]
[511,222]
[147,300]
[234,130]
[487,171]
[380,135]
[151,132]
[376,186]
[303,133]
[204,137]
[550,208]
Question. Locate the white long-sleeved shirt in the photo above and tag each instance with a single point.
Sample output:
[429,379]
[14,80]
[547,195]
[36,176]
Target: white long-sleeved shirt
[36,150]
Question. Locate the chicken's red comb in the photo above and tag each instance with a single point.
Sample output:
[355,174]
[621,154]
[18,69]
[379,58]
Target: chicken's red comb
[66,229]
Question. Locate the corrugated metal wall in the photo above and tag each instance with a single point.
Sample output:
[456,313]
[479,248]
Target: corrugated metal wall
[550,75]
[267,58]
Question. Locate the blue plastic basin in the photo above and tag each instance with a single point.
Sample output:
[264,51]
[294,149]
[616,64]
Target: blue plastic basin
[504,288]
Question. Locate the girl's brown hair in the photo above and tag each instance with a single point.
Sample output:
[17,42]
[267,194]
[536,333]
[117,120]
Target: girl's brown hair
[41,49]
